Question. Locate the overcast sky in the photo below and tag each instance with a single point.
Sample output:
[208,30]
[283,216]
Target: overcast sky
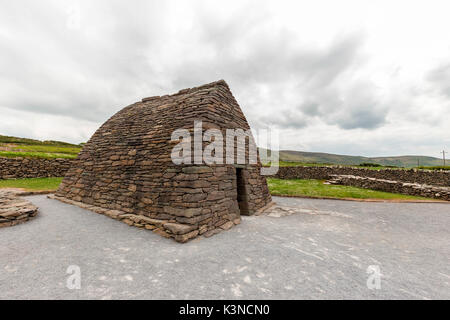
[351,77]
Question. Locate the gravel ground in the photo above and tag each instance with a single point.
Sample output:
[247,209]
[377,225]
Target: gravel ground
[308,249]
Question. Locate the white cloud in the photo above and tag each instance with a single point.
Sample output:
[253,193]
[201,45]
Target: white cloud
[355,77]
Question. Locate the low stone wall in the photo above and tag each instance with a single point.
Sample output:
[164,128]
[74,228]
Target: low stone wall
[429,177]
[166,228]
[413,189]
[14,210]
[14,168]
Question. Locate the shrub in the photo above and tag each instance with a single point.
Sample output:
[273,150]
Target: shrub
[368,164]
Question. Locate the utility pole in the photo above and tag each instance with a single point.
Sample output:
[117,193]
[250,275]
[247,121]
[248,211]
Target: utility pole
[443,155]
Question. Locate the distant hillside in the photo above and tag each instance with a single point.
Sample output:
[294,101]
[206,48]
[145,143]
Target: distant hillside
[16,140]
[329,158]
[23,147]
[13,147]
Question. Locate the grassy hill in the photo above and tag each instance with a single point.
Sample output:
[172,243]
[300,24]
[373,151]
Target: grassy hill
[329,158]
[23,147]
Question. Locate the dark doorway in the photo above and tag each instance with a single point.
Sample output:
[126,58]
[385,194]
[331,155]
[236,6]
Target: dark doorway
[241,192]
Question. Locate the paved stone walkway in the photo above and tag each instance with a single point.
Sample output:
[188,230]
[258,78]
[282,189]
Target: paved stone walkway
[302,249]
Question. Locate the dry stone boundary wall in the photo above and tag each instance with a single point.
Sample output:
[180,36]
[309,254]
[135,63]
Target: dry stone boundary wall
[16,168]
[427,177]
[413,189]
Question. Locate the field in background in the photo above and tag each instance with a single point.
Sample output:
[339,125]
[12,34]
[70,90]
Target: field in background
[320,158]
[304,164]
[369,166]
[317,189]
[22,147]
[32,184]
[278,187]
[435,168]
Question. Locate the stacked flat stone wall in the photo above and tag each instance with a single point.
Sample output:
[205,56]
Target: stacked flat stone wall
[414,189]
[428,177]
[14,210]
[15,168]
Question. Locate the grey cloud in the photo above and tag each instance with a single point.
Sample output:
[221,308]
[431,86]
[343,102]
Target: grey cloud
[286,120]
[87,73]
[124,52]
[268,58]
[291,72]
[117,57]
[363,118]
[440,76]
[310,108]
[358,105]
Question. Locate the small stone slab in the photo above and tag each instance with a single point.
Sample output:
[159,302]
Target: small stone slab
[178,228]
[14,210]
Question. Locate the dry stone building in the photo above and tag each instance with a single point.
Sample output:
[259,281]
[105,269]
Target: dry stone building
[126,171]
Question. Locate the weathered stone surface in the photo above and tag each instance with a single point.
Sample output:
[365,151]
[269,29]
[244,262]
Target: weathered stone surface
[187,236]
[216,195]
[147,220]
[111,213]
[162,233]
[211,232]
[14,210]
[227,225]
[181,212]
[128,222]
[126,166]
[202,169]
[194,197]
[202,229]
[178,228]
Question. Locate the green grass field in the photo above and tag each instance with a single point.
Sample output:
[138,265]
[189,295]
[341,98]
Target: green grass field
[12,147]
[32,184]
[47,155]
[316,188]
[27,141]
[278,187]
[47,149]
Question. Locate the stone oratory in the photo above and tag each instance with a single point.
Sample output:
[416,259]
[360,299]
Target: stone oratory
[126,170]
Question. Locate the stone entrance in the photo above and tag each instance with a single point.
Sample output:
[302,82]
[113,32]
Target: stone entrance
[242,197]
